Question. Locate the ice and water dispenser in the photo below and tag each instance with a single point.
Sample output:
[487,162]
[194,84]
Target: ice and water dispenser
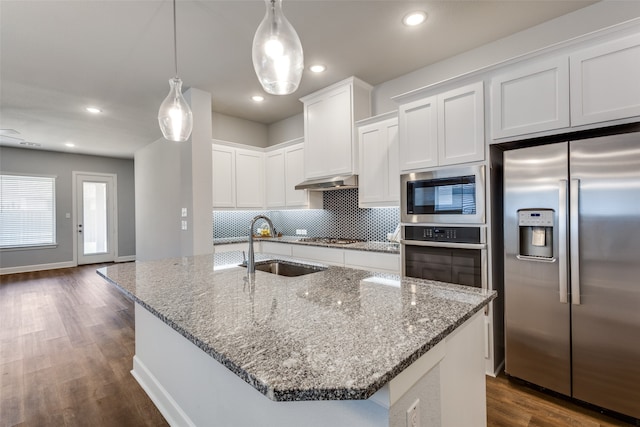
[535,227]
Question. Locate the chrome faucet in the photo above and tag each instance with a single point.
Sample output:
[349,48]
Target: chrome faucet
[251,260]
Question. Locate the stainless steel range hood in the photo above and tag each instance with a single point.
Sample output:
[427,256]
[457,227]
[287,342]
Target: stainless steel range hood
[325,184]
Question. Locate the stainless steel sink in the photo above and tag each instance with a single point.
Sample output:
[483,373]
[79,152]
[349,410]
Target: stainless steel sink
[288,269]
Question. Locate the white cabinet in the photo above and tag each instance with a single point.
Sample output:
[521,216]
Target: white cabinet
[275,248]
[238,178]
[329,117]
[275,191]
[418,131]
[530,98]
[249,179]
[444,129]
[379,176]
[461,125]
[373,261]
[224,177]
[331,256]
[605,81]
[284,169]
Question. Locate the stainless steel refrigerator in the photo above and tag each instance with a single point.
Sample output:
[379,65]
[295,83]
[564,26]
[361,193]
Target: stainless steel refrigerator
[572,269]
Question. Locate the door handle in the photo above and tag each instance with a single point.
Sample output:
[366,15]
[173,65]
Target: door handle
[574,210]
[562,240]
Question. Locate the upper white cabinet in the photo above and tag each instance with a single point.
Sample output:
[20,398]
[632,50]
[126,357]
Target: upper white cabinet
[249,179]
[530,98]
[605,81]
[444,129]
[461,125]
[329,117]
[379,176]
[224,177]
[284,168]
[238,178]
[418,129]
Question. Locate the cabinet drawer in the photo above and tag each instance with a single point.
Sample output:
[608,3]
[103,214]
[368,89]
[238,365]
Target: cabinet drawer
[319,254]
[275,248]
[364,260]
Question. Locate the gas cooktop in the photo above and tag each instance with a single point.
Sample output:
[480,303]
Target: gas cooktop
[330,240]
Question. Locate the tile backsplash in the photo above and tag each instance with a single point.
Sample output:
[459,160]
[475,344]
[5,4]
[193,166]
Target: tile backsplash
[341,217]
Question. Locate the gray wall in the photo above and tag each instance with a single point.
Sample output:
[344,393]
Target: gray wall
[38,162]
[241,131]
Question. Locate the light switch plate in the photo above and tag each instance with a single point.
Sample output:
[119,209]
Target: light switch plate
[184,212]
[184,225]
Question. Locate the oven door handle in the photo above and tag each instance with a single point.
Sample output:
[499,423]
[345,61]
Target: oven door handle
[444,244]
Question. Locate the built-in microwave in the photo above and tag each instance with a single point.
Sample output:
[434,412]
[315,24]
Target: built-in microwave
[445,196]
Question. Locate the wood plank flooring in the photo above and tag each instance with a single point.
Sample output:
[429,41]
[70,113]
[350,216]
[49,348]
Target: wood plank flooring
[66,349]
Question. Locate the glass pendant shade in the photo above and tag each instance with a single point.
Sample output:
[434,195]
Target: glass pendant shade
[277,52]
[174,116]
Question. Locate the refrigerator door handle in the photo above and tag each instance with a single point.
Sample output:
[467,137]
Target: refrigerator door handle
[574,205]
[562,240]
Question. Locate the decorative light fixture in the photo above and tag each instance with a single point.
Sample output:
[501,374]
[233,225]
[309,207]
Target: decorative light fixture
[175,116]
[277,52]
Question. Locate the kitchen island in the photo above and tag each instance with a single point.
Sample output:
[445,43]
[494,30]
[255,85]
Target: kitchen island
[339,347]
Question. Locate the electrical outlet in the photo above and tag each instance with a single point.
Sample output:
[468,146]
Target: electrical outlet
[413,414]
[300,232]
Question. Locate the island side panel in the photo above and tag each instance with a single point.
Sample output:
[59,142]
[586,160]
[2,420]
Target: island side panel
[190,388]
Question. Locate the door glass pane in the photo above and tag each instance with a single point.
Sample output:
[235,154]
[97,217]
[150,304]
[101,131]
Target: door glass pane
[94,228]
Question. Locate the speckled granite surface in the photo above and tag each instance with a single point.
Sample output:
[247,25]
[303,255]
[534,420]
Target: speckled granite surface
[335,334]
[386,247]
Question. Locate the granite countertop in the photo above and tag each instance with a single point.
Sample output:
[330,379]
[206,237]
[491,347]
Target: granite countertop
[332,335]
[386,247]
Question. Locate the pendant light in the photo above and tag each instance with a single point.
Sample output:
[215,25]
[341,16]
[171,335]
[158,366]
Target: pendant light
[277,52]
[175,116]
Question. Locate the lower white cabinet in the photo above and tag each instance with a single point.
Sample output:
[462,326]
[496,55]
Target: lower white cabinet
[275,248]
[333,256]
[379,177]
[375,261]
[361,260]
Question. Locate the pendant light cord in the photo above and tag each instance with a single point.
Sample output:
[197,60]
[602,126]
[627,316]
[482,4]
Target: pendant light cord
[175,39]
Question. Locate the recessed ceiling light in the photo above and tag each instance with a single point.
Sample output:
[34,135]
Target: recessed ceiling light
[69,144]
[412,19]
[317,68]
[93,110]
[258,98]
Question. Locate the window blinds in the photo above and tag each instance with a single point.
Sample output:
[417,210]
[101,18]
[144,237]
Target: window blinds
[27,211]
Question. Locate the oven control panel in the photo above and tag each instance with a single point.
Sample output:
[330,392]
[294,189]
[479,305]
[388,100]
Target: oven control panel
[443,234]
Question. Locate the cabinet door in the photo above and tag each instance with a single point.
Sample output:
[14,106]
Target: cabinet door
[328,140]
[529,99]
[418,134]
[275,179]
[604,82]
[461,125]
[294,165]
[372,179]
[393,163]
[249,179]
[224,177]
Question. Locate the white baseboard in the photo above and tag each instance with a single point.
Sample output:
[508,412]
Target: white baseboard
[127,258]
[37,267]
[167,406]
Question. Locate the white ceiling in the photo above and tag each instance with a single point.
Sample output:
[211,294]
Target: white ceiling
[59,56]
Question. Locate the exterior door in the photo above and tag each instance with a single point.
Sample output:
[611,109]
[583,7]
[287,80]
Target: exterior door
[95,217]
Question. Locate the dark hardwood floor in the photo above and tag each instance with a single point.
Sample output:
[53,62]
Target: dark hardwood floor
[66,349]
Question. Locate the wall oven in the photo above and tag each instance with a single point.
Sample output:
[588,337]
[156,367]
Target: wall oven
[447,254]
[446,196]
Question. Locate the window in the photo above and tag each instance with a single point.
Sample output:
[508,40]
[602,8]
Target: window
[27,211]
